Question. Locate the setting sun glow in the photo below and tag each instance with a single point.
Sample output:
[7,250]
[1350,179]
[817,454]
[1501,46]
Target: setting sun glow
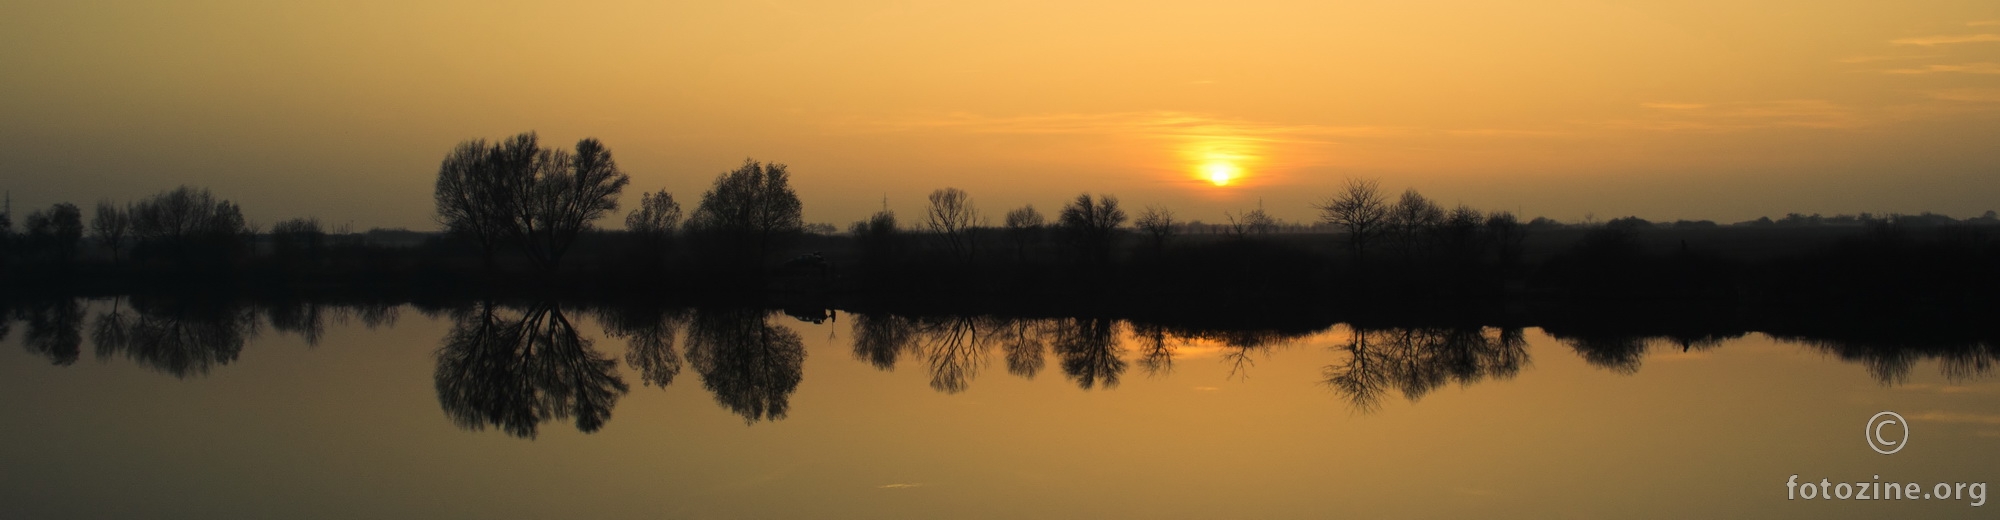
[1219,158]
[1219,173]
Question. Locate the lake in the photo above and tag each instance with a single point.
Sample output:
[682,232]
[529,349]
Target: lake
[121,408]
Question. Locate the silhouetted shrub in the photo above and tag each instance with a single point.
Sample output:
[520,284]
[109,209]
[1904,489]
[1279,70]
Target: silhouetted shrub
[190,226]
[747,216]
[54,233]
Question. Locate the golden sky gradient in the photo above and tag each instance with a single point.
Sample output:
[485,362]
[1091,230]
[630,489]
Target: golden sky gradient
[1663,109]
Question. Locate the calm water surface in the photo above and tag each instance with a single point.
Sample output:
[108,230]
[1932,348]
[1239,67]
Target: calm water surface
[120,409]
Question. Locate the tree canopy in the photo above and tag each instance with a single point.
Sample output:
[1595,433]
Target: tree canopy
[749,210]
[518,192]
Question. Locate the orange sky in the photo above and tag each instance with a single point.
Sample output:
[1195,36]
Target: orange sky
[1663,109]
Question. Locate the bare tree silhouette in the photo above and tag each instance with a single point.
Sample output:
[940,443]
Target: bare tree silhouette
[539,199]
[567,200]
[951,215]
[1411,220]
[1360,211]
[1024,230]
[111,226]
[1158,224]
[1460,235]
[657,216]
[476,188]
[1091,225]
[1253,222]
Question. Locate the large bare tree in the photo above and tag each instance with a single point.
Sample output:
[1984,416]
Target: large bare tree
[1092,225]
[657,216]
[472,198]
[569,193]
[1359,210]
[951,216]
[1411,219]
[111,226]
[1158,223]
[518,192]
[1024,228]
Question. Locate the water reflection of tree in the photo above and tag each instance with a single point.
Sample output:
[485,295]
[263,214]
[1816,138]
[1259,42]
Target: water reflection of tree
[953,348]
[110,330]
[180,337]
[1890,359]
[1089,351]
[751,366]
[1621,347]
[649,338]
[306,319]
[309,319]
[880,338]
[54,329]
[515,373]
[1240,347]
[1156,352]
[1416,361]
[1024,342]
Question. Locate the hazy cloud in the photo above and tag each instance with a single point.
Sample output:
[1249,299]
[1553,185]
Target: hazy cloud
[1956,417]
[1969,95]
[1872,59]
[1180,125]
[1507,132]
[1732,117]
[1138,124]
[899,486]
[1983,23]
[1986,67]
[1928,41]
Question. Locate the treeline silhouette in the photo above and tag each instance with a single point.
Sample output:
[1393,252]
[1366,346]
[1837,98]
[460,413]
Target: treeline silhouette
[518,365]
[519,220]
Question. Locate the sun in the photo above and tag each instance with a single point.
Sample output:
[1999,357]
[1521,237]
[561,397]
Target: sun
[1220,173]
[1221,161]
